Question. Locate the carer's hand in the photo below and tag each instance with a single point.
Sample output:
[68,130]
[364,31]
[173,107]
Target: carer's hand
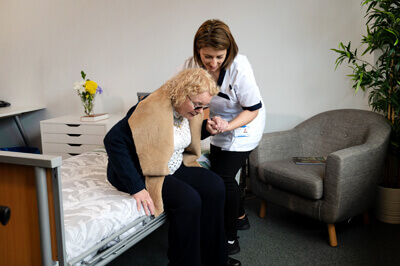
[220,124]
[143,199]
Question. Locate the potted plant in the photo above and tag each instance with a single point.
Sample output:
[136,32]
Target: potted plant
[382,81]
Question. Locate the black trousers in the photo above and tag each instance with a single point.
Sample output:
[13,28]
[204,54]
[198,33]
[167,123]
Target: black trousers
[194,199]
[226,164]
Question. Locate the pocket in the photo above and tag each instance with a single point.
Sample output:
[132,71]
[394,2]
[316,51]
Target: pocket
[223,95]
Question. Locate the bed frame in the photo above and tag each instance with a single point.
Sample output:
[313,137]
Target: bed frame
[30,186]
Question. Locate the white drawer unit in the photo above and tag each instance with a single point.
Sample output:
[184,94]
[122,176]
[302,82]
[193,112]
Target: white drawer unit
[68,135]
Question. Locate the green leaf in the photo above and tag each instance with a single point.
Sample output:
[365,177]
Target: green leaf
[359,82]
[394,101]
[392,32]
[366,50]
[83,75]
[338,51]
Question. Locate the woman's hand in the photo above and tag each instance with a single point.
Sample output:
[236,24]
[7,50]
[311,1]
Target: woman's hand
[143,198]
[220,124]
[211,127]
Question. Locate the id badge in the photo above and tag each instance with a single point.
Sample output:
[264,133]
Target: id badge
[242,132]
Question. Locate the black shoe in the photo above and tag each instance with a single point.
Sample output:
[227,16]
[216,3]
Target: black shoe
[243,224]
[233,248]
[233,262]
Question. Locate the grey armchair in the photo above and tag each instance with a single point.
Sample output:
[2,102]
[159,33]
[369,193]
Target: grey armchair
[354,142]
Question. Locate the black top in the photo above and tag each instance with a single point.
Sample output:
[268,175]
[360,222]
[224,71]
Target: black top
[123,170]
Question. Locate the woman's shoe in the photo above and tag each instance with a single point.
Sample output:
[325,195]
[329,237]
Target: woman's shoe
[233,248]
[243,224]
[233,262]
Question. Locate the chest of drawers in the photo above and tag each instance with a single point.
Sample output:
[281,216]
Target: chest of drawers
[67,136]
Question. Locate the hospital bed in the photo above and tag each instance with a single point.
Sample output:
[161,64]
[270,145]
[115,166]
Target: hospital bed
[66,212]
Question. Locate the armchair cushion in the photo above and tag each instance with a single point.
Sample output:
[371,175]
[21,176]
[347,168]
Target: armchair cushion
[304,180]
[333,131]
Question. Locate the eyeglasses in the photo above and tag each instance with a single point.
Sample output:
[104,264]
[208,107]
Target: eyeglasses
[196,108]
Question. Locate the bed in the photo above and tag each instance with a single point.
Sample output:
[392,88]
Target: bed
[66,212]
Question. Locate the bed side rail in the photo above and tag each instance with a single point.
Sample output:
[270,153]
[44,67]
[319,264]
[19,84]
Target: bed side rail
[109,254]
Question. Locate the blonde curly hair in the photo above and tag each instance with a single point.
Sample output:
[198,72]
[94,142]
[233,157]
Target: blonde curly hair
[189,82]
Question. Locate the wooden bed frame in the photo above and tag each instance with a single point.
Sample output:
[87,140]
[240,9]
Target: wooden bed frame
[30,186]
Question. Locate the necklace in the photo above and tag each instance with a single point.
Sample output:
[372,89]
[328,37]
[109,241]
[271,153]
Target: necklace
[177,119]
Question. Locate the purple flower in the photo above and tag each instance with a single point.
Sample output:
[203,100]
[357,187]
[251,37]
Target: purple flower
[99,90]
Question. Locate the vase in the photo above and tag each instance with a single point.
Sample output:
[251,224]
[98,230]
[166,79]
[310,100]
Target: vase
[88,105]
[387,207]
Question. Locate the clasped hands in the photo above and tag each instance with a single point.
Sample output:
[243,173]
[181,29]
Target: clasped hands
[216,125]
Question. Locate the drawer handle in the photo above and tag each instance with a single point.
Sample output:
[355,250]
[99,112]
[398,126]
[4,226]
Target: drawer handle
[75,145]
[73,154]
[74,135]
[73,125]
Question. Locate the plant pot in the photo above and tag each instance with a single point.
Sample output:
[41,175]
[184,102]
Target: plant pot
[387,208]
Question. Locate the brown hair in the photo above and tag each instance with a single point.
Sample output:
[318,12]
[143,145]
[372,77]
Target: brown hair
[190,82]
[216,34]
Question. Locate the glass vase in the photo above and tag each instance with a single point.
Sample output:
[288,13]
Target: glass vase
[88,105]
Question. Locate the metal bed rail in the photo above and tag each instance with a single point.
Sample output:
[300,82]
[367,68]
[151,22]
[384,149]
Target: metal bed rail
[149,225]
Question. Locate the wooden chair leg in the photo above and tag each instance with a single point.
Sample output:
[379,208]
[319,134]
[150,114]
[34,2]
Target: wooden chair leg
[332,235]
[263,208]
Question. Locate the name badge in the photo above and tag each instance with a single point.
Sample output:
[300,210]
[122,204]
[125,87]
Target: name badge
[242,132]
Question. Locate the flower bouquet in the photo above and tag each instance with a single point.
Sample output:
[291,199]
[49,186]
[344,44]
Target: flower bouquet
[87,91]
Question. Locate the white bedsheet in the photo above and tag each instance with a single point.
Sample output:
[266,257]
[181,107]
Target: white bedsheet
[93,208]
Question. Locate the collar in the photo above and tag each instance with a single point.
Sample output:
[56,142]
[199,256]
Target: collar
[221,77]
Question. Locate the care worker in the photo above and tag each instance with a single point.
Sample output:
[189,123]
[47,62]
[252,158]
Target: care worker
[153,154]
[238,111]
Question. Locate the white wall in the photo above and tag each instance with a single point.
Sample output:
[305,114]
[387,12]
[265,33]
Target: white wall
[130,46]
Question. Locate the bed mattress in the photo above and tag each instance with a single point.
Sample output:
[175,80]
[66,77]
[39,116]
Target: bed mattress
[93,208]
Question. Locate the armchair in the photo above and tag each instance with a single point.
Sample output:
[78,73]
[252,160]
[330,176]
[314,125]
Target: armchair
[354,142]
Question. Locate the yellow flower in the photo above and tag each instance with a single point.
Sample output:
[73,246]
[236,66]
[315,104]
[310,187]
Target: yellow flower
[91,86]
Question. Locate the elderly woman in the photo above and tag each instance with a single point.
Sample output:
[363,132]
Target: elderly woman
[152,156]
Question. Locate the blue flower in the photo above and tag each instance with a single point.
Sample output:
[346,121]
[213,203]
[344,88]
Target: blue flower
[99,90]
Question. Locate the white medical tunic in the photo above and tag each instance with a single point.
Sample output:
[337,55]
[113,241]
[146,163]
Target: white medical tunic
[238,92]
